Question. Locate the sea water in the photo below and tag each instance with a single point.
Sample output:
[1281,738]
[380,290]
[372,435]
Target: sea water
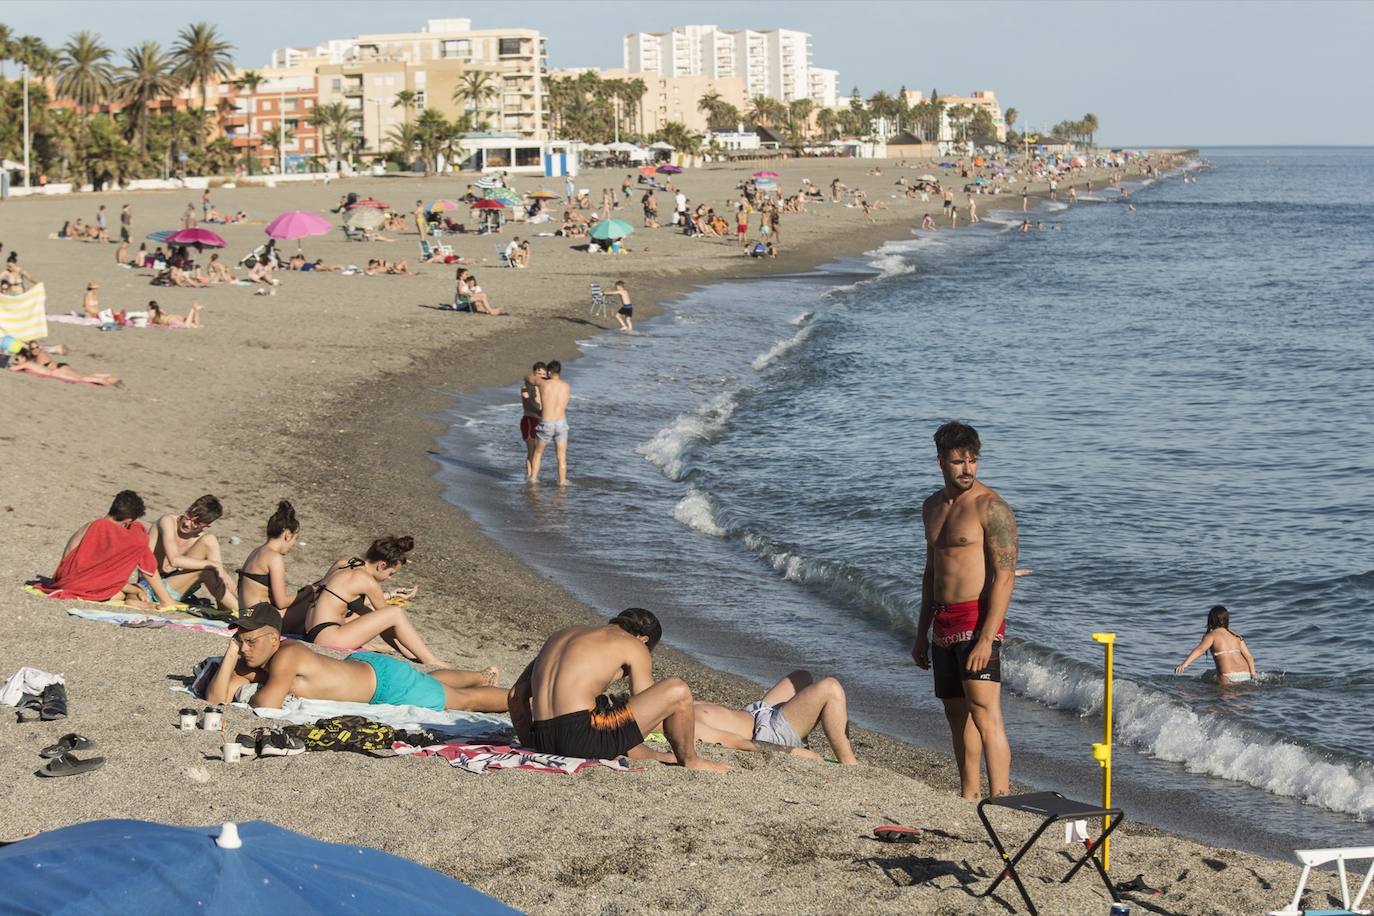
[1178,402]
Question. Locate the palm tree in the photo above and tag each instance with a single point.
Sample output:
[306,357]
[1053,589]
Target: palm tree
[799,116]
[475,88]
[1010,117]
[146,78]
[201,56]
[7,47]
[335,123]
[762,110]
[405,99]
[404,139]
[634,95]
[433,134]
[278,139]
[84,73]
[248,82]
[825,120]
[1090,125]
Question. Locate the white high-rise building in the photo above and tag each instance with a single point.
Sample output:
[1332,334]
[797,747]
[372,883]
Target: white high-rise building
[775,63]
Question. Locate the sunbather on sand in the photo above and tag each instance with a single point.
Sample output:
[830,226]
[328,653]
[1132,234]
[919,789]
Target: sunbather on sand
[257,655]
[299,262]
[218,272]
[184,278]
[103,555]
[261,272]
[349,610]
[90,303]
[158,318]
[33,360]
[188,555]
[467,286]
[557,706]
[263,575]
[782,719]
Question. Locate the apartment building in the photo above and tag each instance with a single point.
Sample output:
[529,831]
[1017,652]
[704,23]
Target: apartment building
[365,74]
[771,62]
[273,122]
[671,98]
[981,98]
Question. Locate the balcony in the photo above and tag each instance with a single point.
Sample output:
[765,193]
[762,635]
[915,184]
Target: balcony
[353,88]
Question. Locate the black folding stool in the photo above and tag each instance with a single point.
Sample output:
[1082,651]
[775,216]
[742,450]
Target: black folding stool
[1052,807]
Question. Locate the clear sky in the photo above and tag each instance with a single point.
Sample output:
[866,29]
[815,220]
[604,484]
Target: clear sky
[1177,73]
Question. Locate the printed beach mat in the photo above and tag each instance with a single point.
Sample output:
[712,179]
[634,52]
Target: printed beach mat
[487,758]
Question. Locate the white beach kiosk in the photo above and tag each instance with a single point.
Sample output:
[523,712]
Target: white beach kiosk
[508,152]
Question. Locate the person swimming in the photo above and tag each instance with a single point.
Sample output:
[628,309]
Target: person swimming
[1235,664]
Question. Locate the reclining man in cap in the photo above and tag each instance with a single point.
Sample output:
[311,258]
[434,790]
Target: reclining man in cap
[258,655]
[557,706]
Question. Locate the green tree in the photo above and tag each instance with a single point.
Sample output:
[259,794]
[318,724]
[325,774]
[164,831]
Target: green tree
[826,120]
[475,89]
[336,126]
[634,90]
[404,140]
[84,72]
[433,135]
[679,137]
[277,140]
[1010,116]
[799,118]
[248,82]
[981,128]
[405,100]
[106,157]
[145,78]
[7,47]
[1090,125]
[201,56]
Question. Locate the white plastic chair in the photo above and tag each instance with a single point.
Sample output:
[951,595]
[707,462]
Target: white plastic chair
[1311,858]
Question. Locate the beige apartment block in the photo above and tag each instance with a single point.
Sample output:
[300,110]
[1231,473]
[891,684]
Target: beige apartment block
[671,98]
[981,98]
[366,73]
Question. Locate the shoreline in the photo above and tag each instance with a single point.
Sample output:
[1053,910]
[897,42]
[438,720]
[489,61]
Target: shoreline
[348,448]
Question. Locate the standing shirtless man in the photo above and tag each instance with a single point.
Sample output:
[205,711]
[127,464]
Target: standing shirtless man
[529,406]
[557,706]
[971,546]
[554,394]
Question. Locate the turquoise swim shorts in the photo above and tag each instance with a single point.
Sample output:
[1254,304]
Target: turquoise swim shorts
[152,596]
[399,683]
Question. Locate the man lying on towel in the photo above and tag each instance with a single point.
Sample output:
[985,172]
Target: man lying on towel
[257,655]
[557,705]
[102,556]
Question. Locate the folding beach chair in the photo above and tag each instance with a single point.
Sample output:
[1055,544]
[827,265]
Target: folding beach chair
[501,256]
[1052,807]
[598,301]
[1311,858]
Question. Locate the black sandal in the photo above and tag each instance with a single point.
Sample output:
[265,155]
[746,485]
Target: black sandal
[66,744]
[30,707]
[54,703]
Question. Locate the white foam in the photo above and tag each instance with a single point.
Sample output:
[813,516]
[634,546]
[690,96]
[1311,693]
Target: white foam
[801,319]
[778,349]
[1210,743]
[668,448]
[696,512]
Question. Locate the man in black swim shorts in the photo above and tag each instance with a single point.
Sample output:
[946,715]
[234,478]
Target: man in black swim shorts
[557,706]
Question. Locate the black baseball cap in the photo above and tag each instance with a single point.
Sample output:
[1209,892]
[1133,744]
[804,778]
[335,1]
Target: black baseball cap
[262,614]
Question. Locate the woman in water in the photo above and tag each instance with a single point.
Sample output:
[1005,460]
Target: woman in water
[349,609]
[263,576]
[1235,664]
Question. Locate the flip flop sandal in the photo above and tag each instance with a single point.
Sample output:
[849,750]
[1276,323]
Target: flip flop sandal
[1137,885]
[54,703]
[71,765]
[66,744]
[893,833]
[144,623]
[30,707]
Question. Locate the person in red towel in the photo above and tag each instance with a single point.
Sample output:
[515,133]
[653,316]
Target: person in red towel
[100,559]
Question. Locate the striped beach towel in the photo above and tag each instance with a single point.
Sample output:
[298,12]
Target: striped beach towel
[24,315]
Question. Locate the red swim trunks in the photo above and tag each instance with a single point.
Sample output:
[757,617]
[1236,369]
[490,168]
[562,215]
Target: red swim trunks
[960,622]
[527,425]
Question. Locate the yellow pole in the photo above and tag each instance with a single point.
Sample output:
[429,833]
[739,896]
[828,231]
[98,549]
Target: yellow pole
[1103,752]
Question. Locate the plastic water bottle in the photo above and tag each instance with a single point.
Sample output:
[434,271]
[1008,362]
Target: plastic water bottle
[1119,909]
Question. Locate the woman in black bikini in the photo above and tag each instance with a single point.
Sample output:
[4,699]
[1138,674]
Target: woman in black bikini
[263,576]
[350,610]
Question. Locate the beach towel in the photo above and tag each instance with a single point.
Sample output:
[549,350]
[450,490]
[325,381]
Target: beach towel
[168,623]
[24,315]
[27,680]
[132,319]
[33,589]
[100,566]
[487,758]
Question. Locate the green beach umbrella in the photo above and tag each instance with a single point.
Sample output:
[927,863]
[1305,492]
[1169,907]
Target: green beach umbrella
[610,229]
[505,195]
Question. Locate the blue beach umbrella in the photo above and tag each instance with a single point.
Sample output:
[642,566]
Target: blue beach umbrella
[161,236]
[128,866]
[611,229]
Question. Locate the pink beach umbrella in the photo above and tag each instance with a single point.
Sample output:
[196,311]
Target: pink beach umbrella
[367,202]
[767,175]
[201,238]
[297,224]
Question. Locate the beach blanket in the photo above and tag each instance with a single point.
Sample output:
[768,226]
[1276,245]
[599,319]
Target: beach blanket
[85,321]
[134,617]
[33,589]
[99,566]
[24,315]
[487,758]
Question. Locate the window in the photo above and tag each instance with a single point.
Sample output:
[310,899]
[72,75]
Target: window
[309,104]
[455,47]
[510,46]
[420,99]
[337,83]
[528,156]
[498,158]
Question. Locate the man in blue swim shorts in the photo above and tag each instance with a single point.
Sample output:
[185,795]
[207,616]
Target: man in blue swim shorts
[257,654]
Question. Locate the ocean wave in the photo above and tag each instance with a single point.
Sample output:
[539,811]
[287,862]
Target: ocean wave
[669,447]
[1206,742]
[801,319]
[696,512]
[767,357]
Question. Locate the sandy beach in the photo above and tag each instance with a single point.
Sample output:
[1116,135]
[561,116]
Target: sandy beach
[326,393]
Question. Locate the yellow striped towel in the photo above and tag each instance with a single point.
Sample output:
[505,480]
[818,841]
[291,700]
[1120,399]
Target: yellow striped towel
[24,316]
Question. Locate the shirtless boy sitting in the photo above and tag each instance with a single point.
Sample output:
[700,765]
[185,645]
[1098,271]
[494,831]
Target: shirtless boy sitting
[782,719]
[257,655]
[188,555]
[557,707]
